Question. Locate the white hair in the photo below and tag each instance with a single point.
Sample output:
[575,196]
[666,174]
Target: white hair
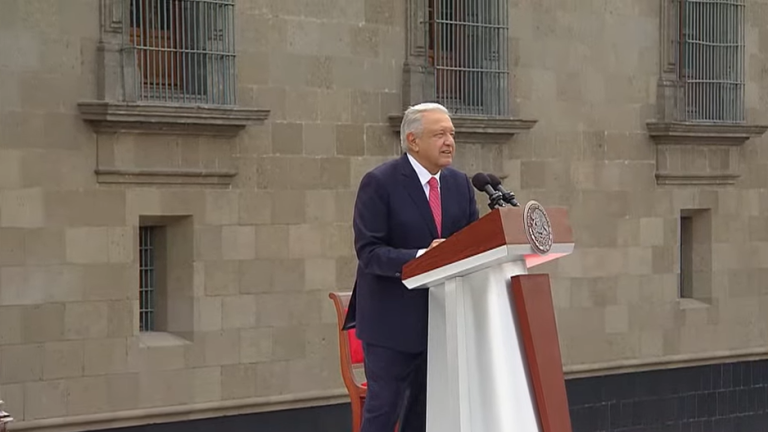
[412,120]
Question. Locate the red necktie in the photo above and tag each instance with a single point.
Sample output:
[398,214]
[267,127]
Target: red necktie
[434,204]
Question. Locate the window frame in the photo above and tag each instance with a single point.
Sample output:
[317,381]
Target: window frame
[148,278]
[708,95]
[203,61]
[461,81]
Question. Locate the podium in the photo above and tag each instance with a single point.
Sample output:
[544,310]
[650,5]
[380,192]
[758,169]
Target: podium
[5,418]
[494,362]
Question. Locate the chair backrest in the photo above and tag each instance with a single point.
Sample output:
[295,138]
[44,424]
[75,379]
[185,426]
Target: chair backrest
[350,347]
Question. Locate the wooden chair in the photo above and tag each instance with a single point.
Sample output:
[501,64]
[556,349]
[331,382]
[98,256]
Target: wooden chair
[351,358]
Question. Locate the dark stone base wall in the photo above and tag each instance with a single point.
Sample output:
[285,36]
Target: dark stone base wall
[716,398]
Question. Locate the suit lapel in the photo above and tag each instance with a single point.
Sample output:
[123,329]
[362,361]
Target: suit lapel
[446,197]
[414,188]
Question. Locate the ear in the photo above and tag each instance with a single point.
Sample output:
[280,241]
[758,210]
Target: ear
[411,139]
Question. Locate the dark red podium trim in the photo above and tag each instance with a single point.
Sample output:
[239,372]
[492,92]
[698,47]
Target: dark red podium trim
[532,298]
[500,227]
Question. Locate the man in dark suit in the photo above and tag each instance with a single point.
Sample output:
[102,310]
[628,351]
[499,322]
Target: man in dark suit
[403,208]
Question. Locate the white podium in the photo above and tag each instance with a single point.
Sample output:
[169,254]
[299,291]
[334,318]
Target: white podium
[494,362]
[5,418]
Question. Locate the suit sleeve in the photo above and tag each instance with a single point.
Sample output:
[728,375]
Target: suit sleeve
[474,213]
[370,227]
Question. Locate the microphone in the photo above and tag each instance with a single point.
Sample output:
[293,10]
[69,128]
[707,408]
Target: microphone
[508,196]
[482,183]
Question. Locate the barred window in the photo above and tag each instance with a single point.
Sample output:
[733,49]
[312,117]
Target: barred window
[711,59]
[695,254]
[468,48]
[685,250]
[147,279]
[184,51]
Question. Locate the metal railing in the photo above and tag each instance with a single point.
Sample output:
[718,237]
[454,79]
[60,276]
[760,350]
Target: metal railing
[147,282]
[711,59]
[184,51]
[469,49]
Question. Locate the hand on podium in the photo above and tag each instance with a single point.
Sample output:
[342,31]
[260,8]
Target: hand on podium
[435,242]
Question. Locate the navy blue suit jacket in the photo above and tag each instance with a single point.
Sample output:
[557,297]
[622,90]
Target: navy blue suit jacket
[392,221]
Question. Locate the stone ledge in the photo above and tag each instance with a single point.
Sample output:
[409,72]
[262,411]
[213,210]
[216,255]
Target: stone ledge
[160,340]
[191,411]
[698,154]
[698,179]
[106,116]
[664,362]
[680,133]
[165,176]
[491,130]
[692,303]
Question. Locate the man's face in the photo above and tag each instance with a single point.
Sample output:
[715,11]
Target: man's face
[434,147]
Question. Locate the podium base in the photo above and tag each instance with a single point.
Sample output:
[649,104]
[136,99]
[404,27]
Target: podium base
[478,379]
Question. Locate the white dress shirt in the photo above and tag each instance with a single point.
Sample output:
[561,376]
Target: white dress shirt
[424,177]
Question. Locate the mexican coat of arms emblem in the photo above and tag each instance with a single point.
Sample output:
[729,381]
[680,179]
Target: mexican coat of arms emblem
[538,227]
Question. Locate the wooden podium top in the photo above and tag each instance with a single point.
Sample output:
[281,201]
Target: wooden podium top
[507,226]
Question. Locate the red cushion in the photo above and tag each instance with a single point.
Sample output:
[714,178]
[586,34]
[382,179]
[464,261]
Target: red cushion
[355,346]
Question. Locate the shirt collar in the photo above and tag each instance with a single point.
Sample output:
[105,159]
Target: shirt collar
[422,172]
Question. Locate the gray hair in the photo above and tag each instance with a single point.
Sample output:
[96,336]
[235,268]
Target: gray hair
[412,120]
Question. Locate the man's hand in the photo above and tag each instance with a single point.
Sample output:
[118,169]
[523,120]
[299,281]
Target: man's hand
[435,242]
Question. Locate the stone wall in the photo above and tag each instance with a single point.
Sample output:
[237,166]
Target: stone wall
[588,72]
[270,244]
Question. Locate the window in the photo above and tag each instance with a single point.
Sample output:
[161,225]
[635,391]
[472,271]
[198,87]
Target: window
[184,51]
[695,259]
[686,257]
[467,46]
[710,43]
[166,260]
[147,278]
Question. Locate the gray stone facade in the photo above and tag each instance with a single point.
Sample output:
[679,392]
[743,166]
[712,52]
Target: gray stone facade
[257,201]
